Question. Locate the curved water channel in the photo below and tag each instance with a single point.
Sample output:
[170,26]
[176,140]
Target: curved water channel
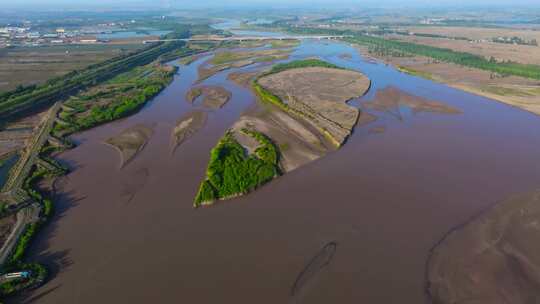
[131,235]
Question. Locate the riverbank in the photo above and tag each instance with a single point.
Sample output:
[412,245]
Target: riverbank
[117,96]
[516,91]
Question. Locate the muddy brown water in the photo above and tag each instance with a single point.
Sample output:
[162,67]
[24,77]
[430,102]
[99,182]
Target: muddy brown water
[384,199]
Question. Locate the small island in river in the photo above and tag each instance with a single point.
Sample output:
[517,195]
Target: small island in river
[318,92]
[186,127]
[130,142]
[214,97]
[302,114]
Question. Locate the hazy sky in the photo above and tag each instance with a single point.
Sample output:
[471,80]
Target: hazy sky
[225,3]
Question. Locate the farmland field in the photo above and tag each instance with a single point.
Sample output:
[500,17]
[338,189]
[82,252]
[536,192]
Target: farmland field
[34,65]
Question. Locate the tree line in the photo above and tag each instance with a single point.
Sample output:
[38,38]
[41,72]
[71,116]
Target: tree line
[504,68]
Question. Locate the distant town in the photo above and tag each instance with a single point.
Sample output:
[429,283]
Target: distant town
[26,36]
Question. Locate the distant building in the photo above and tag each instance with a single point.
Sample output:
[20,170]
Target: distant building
[88,41]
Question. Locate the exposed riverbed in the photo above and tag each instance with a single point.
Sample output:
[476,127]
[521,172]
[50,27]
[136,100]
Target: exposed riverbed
[382,201]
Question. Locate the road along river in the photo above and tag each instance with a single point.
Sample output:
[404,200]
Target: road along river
[355,226]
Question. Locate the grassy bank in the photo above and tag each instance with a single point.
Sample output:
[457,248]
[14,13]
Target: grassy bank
[442,54]
[266,96]
[305,63]
[231,172]
[114,99]
[414,72]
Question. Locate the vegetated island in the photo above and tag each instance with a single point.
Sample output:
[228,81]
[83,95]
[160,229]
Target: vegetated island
[130,142]
[279,135]
[492,259]
[233,172]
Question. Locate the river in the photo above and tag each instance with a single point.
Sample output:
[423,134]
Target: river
[131,235]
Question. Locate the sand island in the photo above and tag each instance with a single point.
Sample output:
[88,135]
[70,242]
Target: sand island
[214,97]
[130,142]
[301,115]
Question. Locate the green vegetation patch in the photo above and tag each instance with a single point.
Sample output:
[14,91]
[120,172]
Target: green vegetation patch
[231,171]
[535,91]
[306,63]
[414,72]
[121,96]
[448,55]
[267,96]
[505,91]
[23,242]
